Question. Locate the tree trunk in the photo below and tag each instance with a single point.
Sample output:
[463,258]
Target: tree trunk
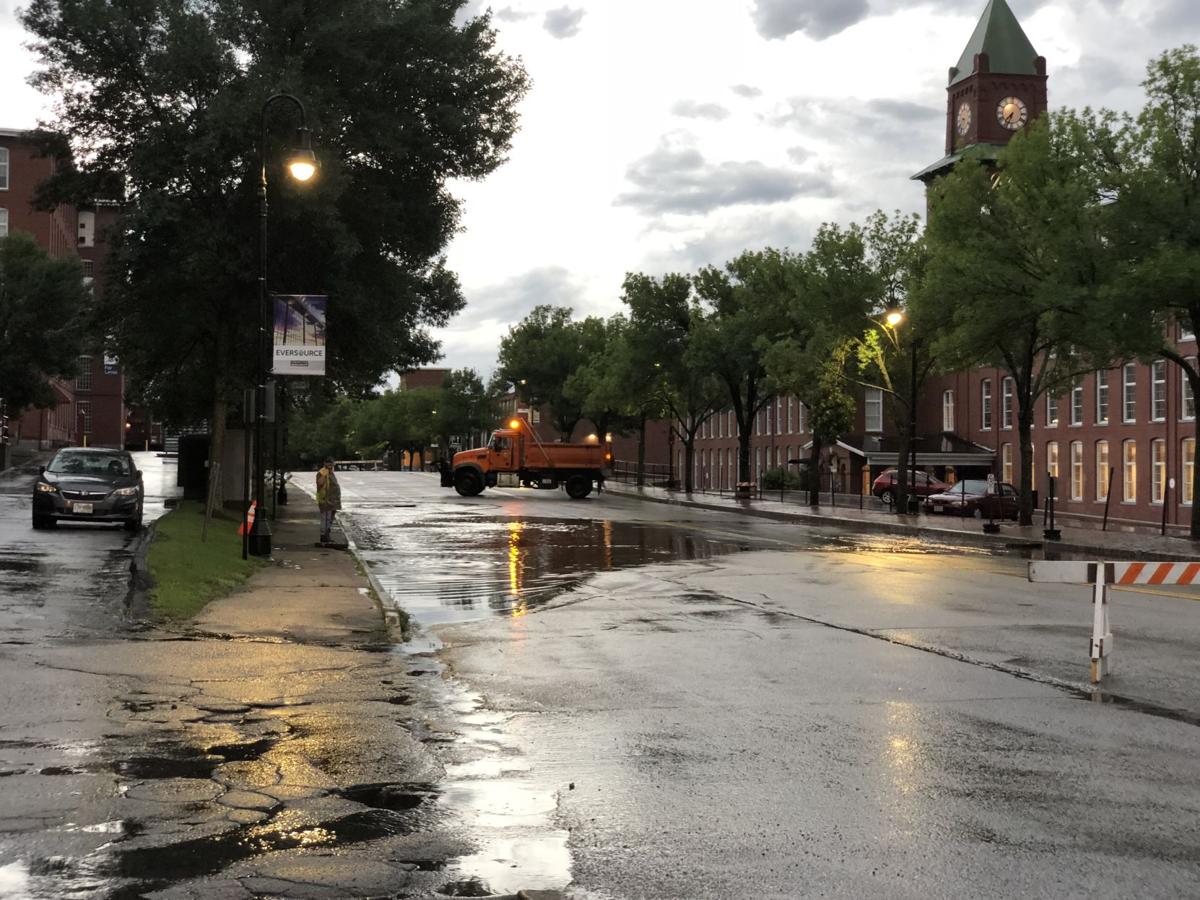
[641,451]
[1025,435]
[689,462]
[744,453]
[814,473]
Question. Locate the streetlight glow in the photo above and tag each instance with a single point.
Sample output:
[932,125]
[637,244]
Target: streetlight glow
[514,424]
[894,318]
[302,169]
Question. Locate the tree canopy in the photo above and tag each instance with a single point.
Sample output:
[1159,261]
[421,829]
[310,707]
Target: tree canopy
[42,306]
[161,102]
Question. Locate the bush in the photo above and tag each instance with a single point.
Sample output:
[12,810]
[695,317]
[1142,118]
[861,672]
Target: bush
[781,480]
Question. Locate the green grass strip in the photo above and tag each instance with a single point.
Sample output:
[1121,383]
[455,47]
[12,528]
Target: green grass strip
[187,572]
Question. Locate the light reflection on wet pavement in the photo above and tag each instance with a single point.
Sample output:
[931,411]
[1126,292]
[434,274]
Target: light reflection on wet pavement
[443,571]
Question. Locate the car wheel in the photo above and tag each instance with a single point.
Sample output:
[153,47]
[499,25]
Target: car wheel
[886,497]
[578,487]
[134,524]
[467,483]
[43,522]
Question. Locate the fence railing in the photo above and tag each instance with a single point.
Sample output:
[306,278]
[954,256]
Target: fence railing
[660,475]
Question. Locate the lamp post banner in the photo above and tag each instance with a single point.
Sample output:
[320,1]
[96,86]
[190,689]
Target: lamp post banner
[299,342]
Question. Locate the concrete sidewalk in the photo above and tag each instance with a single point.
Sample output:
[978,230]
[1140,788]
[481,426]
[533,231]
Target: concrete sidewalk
[1076,540]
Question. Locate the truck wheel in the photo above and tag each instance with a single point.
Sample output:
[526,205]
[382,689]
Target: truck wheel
[467,483]
[578,487]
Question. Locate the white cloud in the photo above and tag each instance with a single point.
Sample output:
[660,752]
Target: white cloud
[564,22]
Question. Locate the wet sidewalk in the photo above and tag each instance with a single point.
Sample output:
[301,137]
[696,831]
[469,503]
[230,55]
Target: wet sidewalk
[1075,540]
[277,745]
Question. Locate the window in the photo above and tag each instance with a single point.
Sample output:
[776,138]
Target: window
[985,404]
[758,422]
[733,431]
[85,415]
[1187,457]
[1158,470]
[1051,411]
[1129,392]
[757,463]
[801,415]
[778,457]
[3,222]
[89,267]
[873,409]
[1006,470]
[947,410]
[83,382]
[791,420]
[1102,397]
[1077,470]
[1187,405]
[1077,404]
[1158,391]
[1129,462]
[3,168]
[1006,403]
[787,456]
[779,415]
[1186,331]
[1052,459]
[1102,470]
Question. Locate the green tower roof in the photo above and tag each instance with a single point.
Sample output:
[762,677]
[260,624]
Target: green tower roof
[1001,37]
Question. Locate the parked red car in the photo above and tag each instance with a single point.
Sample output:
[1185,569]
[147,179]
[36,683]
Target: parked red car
[971,498]
[884,487]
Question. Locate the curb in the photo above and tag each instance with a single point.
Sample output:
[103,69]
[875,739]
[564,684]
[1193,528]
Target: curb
[999,542]
[137,599]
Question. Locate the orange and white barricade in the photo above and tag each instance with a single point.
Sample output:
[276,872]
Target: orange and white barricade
[1102,575]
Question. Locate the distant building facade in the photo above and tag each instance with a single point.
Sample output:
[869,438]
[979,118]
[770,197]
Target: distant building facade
[90,408]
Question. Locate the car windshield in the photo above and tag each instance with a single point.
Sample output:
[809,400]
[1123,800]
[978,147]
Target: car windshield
[970,486]
[113,465]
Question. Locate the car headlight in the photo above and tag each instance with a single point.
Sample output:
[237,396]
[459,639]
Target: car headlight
[44,488]
[125,492]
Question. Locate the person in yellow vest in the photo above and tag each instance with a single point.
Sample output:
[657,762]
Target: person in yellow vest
[329,497]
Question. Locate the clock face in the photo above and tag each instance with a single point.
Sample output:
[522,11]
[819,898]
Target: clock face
[964,119]
[1012,113]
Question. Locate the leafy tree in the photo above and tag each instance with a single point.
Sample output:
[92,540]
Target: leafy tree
[464,408]
[667,318]
[42,304]
[1017,259]
[541,353]
[322,429]
[599,385]
[831,289]
[1153,172]
[744,314]
[896,358]
[162,102]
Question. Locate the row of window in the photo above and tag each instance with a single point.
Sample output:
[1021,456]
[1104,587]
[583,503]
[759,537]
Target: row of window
[717,469]
[1075,399]
[3,168]
[782,416]
[1102,470]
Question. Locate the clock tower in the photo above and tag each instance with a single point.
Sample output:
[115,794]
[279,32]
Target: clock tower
[997,88]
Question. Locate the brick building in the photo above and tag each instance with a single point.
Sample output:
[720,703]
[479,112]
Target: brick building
[1128,428]
[90,408]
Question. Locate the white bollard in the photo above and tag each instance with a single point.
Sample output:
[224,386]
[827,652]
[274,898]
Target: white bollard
[1102,639]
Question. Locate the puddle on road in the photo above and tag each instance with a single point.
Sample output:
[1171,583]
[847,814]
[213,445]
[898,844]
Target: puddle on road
[451,571]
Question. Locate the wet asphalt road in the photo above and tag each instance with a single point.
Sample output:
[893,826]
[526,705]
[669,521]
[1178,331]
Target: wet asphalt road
[704,705]
[71,580]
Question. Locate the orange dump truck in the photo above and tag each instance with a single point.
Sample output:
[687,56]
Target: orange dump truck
[517,450]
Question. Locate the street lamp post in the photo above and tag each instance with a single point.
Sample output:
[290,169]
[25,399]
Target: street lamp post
[302,165]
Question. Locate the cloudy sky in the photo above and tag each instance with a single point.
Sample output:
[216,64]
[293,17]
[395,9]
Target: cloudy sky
[663,135]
